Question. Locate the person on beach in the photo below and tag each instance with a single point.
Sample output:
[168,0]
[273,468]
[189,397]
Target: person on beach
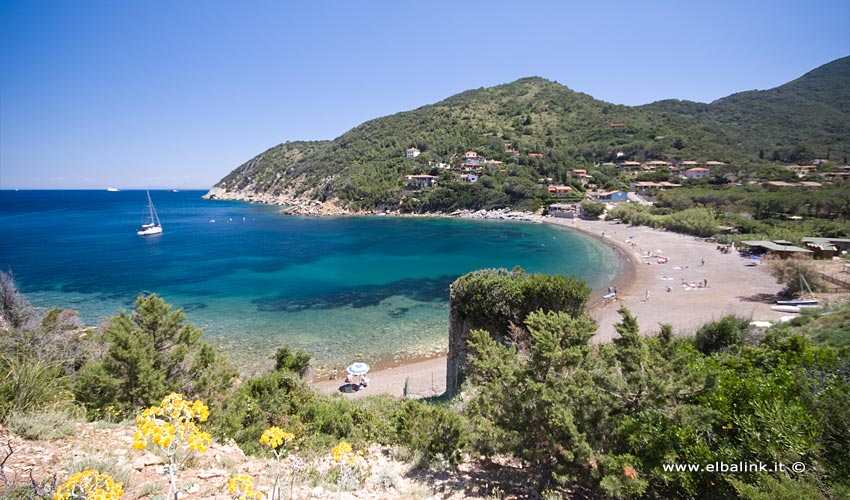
[646,297]
[334,374]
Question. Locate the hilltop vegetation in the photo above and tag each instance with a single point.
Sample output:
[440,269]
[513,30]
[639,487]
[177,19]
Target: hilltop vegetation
[796,122]
[366,167]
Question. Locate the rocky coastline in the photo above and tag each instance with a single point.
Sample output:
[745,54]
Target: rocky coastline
[294,205]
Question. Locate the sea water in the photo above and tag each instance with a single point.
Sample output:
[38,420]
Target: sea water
[371,288]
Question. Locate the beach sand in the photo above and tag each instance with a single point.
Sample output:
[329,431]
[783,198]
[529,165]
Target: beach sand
[734,287]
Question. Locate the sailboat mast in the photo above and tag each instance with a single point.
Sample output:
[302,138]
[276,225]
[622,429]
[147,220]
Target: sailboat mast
[150,206]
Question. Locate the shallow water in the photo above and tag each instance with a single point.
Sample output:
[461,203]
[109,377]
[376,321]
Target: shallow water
[374,288]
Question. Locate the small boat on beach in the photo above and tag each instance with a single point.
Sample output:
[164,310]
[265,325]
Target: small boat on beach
[801,302]
[786,309]
[153,225]
[798,302]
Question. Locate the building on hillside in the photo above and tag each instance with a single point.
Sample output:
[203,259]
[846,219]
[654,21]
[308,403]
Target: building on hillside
[646,187]
[827,248]
[582,176]
[473,158]
[611,196]
[802,170]
[629,166]
[652,166]
[421,181]
[696,173]
[618,126]
[834,176]
[536,155]
[412,152]
[559,191]
[714,164]
[468,177]
[564,210]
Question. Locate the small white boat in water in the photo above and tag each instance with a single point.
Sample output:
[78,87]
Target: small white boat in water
[112,189]
[152,226]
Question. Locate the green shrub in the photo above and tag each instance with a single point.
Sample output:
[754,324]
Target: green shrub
[432,430]
[721,336]
[153,351]
[45,423]
[29,384]
[294,361]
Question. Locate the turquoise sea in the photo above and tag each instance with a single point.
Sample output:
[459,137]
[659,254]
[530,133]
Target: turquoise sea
[371,288]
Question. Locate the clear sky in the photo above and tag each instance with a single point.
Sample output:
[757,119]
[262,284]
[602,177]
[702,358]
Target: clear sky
[175,94]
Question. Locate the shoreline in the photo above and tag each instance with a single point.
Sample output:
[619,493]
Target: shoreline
[655,293]
[696,285]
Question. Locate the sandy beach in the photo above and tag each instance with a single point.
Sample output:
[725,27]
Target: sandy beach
[671,292]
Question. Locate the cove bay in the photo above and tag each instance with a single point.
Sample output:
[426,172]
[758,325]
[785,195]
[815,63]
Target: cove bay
[373,288]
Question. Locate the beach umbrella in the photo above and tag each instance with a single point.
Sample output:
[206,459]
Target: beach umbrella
[358,368]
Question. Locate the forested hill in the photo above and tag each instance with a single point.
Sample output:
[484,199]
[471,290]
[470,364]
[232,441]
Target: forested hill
[542,129]
[803,119]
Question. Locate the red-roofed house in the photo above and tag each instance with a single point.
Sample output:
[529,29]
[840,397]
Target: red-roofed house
[559,191]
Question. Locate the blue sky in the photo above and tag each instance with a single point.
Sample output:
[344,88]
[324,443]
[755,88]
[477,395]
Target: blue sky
[176,94]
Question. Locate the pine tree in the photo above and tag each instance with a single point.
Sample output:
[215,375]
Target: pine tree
[152,351]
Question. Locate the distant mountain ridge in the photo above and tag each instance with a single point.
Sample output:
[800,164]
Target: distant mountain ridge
[366,168]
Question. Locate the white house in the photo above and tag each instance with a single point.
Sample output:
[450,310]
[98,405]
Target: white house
[412,152]
[696,173]
[421,181]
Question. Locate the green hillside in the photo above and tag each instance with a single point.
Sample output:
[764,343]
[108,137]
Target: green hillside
[366,166]
[803,119]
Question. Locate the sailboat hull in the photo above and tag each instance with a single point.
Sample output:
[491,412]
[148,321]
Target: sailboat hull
[149,231]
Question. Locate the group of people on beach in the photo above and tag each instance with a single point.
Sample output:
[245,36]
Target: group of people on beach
[358,382]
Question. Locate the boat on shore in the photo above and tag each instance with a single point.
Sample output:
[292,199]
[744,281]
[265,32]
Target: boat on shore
[787,309]
[799,302]
[811,301]
[153,225]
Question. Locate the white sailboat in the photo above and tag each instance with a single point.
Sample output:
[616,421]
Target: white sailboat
[153,226]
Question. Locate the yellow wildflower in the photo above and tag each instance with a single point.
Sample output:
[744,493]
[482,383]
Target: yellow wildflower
[241,487]
[89,484]
[343,453]
[275,437]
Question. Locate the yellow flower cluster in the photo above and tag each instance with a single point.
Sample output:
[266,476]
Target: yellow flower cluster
[343,453]
[172,423]
[242,488]
[275,437]
[91,485]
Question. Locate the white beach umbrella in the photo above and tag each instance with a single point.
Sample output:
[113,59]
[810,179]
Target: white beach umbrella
[358,368]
